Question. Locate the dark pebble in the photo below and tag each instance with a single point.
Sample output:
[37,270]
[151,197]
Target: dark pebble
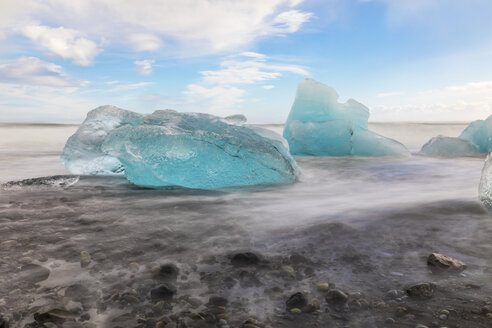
[244,259]
[217,301]
[336,296]
[421,290]
[3,322]
[162,292]
[297,300]
[168,271]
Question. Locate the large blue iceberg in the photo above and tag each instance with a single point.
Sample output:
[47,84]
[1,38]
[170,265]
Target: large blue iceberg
[318,125]
[168,148]
[475,139]
[83,154]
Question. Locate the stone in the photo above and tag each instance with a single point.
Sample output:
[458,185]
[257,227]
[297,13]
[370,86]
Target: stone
[133,267]
[295,311]
[323,287]
[8,244]
[297,300]
[33,273]
[85,259]
[336,296]
[421,290]
[4,322]
[445,263]
[245,259]
[167,272]
[162,292]
[217,300]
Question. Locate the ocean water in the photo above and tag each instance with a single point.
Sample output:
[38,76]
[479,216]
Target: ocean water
[365,225]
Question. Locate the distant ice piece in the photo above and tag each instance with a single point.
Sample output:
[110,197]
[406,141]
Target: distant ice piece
[449,146]
[318,125]
[199,151]
[82,153]
[485,187]
[475,139]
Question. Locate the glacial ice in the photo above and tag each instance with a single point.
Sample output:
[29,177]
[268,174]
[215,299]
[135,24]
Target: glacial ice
[449,146]
[82,153]
[485,187]
[200,151]
[475,139]
[318,125]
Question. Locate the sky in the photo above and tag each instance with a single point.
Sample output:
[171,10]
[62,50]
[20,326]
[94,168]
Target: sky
[407,60]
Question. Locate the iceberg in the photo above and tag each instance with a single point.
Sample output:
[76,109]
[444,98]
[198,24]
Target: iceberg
[199,151]
[475,139]
[83,154]
[449,146]
[318,125]
[485,187]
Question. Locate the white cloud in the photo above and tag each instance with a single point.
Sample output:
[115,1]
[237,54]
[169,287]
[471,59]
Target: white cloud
[144,67]
[191,27]
[130,86]
[219,88]
[34,71]
[268,87]
[144,42]
[217,100]
[464,102]
[66,43]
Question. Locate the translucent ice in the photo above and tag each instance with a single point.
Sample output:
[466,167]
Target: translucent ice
[480,133]
[485,187]
[449,146]
[199,151]
[475,139]
[82,153]
[318,125]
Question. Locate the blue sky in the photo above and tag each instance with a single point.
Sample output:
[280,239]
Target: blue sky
[407,60]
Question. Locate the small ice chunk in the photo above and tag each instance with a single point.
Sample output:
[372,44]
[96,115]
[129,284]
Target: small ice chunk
[367,143]
[82,153]
[318,125]
[449,146]
[200,151]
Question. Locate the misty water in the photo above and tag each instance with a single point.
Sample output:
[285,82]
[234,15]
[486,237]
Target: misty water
[364,225]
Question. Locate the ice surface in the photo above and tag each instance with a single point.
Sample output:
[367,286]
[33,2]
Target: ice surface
[318,125]
[199,151]
[475,139]
[449,146]
[82,153]
[485,187]
[480,133]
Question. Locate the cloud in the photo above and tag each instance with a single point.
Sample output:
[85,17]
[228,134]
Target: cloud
[268,87]
[187,28]
[144,42]
[144,67]
[130,86]
[34,71]
[66,43]
[464,102]
[220,88]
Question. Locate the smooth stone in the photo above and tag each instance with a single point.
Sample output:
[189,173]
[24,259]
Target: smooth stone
[85,259]
[421,290]
[336,296]
[217,300]
[167,271]
[33,273]
[163,292]
[297,300]
[245,259]
[295,311]
[323,287]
